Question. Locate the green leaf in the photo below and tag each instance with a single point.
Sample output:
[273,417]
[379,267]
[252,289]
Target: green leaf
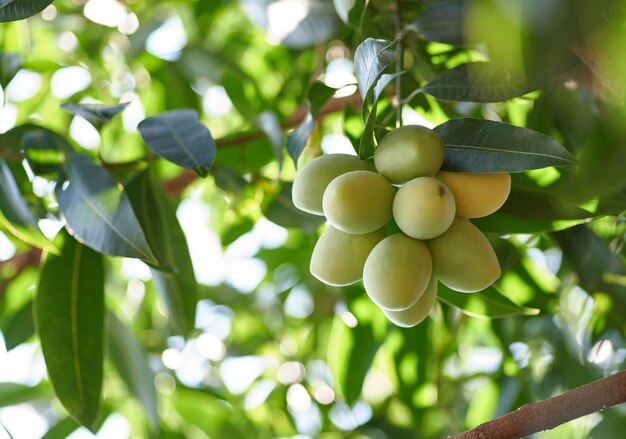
[97,115]
[371,59]
[488,303]
[490,82]
[350,355]
[10,64]
[132,364]
[177,285]
[202,410]
[298,138]
[282,211]
[12,10]
[483,146]
[443,22]
[70,324]
[268,123]
[181,138]
[318,94]
[61,429]
[13,394]
[15,215]
[98,212]
[19,327]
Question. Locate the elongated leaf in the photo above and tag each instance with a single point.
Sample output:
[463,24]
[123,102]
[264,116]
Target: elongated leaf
[12,10]
[193,406]
[70,324]
[282,211]
[98,212]
[371,59]
[10,64]
[350,356]
[19,327]
[298,138]
[505,223]
[443,22]
[130,360]
[488,303]
[15,215]
[270,125]
[95,114]
[489,82]
[13,394]
[181,138]
[61,429]
[176,282]
[318,94]
[483,146]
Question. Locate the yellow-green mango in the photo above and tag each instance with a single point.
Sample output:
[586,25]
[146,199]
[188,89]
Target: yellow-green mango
[477,195]
[311,181]
[463,258]
[409,152]
[417,312]
[358,202]
[338,257]
[424,208]
[397,272]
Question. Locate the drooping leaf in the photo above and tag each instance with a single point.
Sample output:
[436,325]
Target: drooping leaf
[10,64]
[318,94]
[12,10]
[43,149]
[282,211]
[70,323]
[175,281]
[14,394]
[298,138]
[443,22]
[130,360]
[350,356]
[194,404]
[96,114]
[181,138]
[371,59]
[268,123]
[15,215]
[19,327]
[483,146]
[61,429]
[489,82]
[98,211]
[488,303]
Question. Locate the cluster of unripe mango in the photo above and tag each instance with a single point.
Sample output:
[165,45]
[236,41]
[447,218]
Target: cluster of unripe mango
[430,207]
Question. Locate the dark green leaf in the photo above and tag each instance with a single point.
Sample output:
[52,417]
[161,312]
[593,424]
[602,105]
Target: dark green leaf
[10,64]
[487,303]
[270,125]
[505,223]
[282,212]
[483,146]
[97,115]
[130,360]
[70,324]
[13,394]
[443,22]
[489,82]
[62,429]
[12,10]
[18,328]
[371,59]
[98,212]
[177,285]
[298,138]
[181,138]
[319,93]
[350,356]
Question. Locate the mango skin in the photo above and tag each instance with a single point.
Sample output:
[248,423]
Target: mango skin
[397,272]
[424,208]
[311,181]
[358,202]
[463,258]
[417,312]
[477,195]
[409,152]
[338,257]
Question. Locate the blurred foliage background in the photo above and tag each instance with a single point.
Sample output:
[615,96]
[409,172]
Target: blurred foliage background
[273,352]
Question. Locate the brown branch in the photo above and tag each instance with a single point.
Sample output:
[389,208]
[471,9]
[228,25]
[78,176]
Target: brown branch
[545,415]
[14,266]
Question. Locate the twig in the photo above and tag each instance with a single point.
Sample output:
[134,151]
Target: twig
[545,415]
[16,265]
[399,61]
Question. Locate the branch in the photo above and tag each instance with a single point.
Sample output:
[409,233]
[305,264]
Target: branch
[14,266]
[545,415]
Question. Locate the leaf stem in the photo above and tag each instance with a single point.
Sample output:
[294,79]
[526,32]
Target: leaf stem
[399,60]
